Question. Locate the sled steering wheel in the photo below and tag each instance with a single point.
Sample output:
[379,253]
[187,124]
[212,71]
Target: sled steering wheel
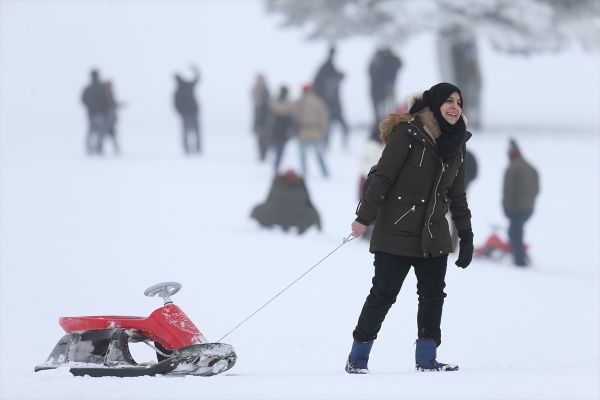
[164,290]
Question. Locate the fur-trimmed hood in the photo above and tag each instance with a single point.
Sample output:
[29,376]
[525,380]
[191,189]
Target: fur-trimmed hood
[425,116]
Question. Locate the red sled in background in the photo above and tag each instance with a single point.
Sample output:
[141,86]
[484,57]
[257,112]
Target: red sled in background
[495,248]
[99,345]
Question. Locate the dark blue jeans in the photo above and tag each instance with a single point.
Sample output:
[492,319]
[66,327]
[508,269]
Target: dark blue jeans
[515,235]
[191,133]
[98,129]
[390,272]
[318,147]
[278,148]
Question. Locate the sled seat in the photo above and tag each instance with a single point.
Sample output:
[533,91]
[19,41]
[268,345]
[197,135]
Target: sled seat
[167,325]
[78,324]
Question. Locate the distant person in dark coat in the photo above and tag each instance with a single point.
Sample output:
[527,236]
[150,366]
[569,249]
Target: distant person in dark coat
[520,189]
[327,85]
[287,205]
[383,70]
[188,109]
[470,175]
[282,125]
[262,115]
[111,132]
[470,168]
[97,103]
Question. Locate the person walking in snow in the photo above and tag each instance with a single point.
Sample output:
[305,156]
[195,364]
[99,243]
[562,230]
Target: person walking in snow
[262,116]
[383,70]
[97,103]
[312,120]
[187,107]
[419,176]
[521,187]
[281,126]
[327,85]
[112,119]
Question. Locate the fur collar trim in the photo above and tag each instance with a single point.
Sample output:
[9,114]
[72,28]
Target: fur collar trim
[425,116]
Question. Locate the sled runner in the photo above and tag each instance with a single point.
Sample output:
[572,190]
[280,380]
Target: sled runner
[99,345]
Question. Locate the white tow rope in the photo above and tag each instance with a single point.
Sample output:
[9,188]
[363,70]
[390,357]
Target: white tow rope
[344,241]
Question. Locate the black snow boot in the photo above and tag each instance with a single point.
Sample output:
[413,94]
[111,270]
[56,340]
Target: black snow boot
[425,357]
[359,358]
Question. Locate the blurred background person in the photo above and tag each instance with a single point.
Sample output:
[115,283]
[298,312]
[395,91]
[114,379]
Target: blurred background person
[260,103]
[383,70]
[368,157]
[188,109]
[520,189]
[470,175]
[327,86]
[313,121]
[288,205]
[97,103]
[113,105]
[282,125]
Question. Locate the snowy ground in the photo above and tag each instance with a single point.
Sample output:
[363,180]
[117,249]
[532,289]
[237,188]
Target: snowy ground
[84,236]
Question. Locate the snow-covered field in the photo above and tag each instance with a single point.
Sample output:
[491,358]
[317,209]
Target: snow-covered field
[84,236]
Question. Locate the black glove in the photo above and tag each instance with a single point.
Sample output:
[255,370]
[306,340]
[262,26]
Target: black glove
[465,254]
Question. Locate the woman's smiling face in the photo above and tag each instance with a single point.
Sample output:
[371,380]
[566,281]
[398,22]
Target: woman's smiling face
[451,110]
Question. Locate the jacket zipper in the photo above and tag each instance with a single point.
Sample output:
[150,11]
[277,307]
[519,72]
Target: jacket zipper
[426,136]
[462,160]
[422,154]
[435,199]
[412,209]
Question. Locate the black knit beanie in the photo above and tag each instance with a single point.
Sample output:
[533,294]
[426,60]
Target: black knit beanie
[452,135]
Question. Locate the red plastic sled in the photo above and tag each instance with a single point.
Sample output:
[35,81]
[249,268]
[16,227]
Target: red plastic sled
[99,345]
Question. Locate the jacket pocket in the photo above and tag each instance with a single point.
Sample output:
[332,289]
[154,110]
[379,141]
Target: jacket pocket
[410,210]
[409,204]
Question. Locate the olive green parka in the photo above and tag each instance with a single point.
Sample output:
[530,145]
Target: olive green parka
[412,189]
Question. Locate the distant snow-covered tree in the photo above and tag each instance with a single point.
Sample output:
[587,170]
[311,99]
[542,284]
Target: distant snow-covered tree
[518,27]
